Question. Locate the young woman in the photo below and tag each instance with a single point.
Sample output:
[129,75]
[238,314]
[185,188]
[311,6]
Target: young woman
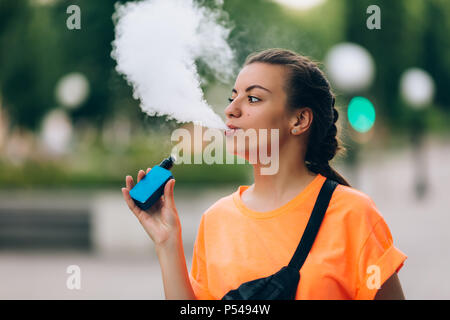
[254,232]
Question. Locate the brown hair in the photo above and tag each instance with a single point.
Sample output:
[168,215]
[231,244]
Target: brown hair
[307,86]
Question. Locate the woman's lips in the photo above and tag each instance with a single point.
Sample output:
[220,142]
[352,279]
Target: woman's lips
[230,132]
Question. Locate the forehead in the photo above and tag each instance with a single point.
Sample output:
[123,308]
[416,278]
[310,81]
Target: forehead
[267,75]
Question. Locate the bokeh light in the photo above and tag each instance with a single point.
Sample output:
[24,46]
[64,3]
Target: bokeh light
[361,114]
[72,90]
[301,4]
[417,87]
[56,132]
[350,67]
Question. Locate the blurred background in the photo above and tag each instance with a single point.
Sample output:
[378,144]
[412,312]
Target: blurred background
[70,131]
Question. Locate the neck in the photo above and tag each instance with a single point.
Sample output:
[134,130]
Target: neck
[292,175]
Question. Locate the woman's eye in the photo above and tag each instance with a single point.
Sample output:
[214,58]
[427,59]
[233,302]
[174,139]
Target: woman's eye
[253,99]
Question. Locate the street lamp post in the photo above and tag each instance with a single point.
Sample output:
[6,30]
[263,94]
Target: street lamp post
[417,90]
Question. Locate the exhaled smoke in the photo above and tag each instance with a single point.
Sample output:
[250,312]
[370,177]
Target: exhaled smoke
[156,45]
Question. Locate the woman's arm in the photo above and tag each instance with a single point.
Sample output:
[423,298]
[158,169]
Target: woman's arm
[177,285]
[391,289]
[162,224]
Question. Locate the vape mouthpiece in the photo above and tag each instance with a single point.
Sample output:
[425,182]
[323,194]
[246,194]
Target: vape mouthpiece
[168,163]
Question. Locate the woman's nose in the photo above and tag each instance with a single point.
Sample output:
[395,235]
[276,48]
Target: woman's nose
[233,110]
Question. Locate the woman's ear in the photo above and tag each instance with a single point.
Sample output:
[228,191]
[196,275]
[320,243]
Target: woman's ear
[301,120]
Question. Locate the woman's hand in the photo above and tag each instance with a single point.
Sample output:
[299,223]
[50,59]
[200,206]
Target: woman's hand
[160,221]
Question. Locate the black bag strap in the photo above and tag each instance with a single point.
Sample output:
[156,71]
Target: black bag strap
[312,228]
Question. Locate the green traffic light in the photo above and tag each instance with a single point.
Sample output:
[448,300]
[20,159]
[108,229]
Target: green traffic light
[361,114]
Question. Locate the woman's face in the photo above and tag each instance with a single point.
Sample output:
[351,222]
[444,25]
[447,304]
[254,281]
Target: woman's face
[257,101]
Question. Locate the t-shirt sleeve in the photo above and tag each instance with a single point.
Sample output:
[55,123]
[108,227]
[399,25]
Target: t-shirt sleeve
[378,258]
[198,274]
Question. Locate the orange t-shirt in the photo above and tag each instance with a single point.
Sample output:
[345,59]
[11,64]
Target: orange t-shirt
[235,244]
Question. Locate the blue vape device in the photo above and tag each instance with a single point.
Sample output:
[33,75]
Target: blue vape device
[151,187]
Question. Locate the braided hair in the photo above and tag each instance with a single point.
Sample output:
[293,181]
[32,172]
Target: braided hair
[307,86]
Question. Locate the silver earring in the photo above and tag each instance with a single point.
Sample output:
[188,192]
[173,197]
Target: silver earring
[294,131]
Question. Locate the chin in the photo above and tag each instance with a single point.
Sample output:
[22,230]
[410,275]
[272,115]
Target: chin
[249,153]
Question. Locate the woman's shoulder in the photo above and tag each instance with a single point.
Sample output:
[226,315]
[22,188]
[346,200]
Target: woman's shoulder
[223,204]
[354,204]
[351,195]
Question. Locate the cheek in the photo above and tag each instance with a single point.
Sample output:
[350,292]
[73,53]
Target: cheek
[274,115]
[275,120]
[265,117]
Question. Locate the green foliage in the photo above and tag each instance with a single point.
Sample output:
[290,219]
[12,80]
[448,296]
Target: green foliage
[49,175]
[36,50]
[411,35]
[101,166]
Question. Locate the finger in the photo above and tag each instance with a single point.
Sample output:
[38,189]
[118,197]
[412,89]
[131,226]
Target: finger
[129,182]
[125,194]
[141,174]
[130,202]
[168,193]
[148,170]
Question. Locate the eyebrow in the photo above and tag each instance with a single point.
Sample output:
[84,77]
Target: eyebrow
[252,87]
